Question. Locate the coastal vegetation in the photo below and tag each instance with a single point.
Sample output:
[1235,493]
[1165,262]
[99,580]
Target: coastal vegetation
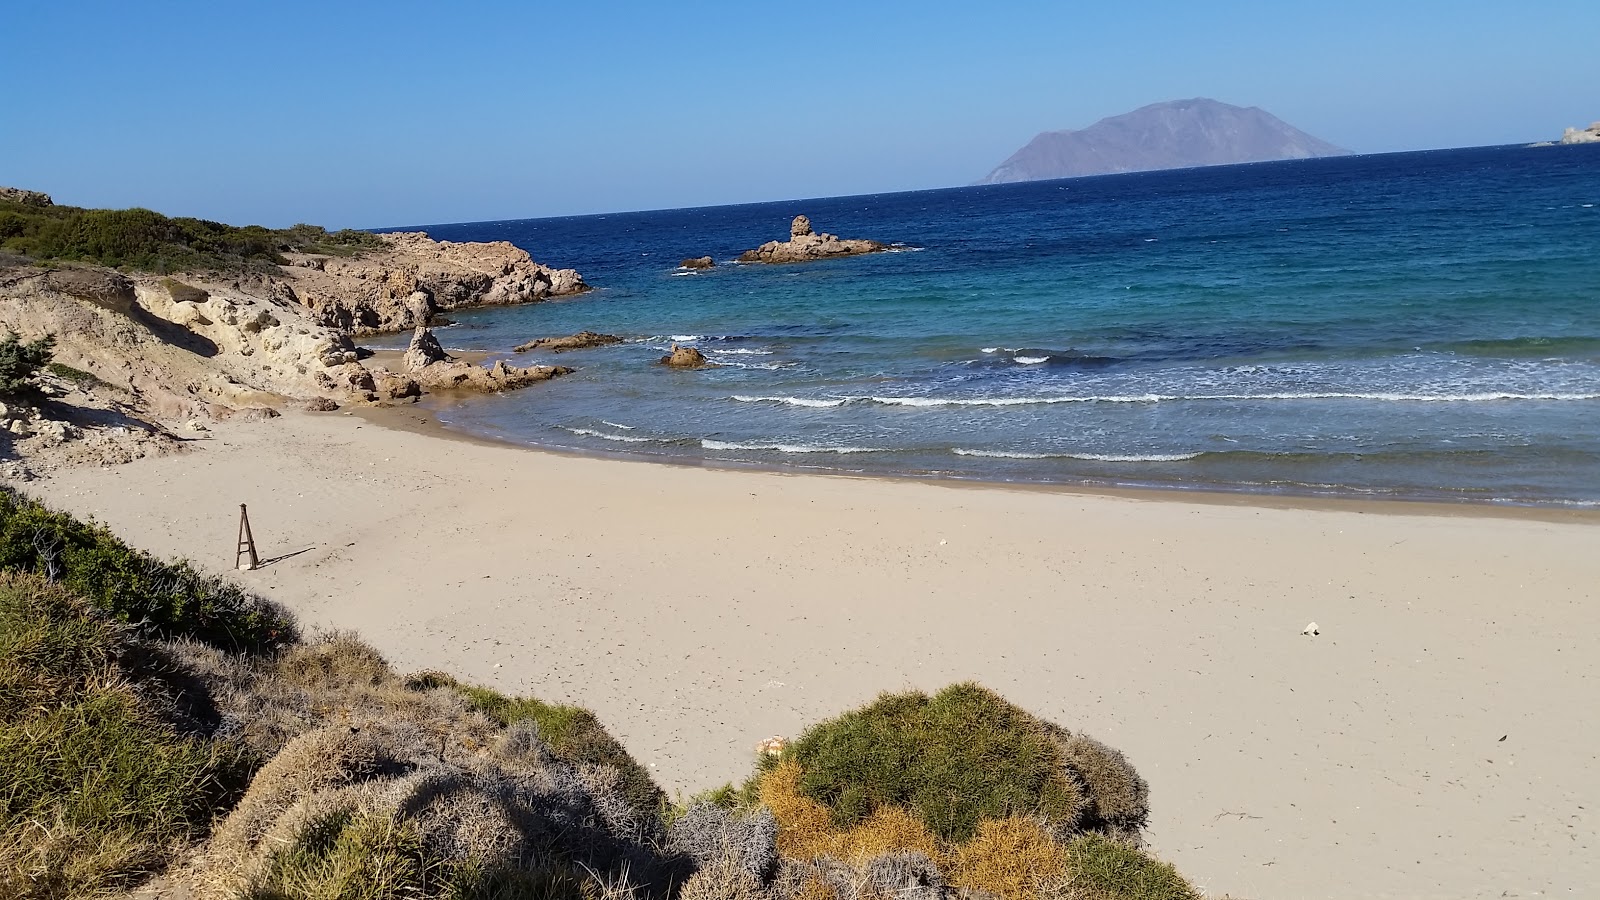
[153,719]
[146,241]
[21,360]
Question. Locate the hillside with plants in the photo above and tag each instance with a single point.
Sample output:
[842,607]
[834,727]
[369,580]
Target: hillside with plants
[145,241]
[156,722]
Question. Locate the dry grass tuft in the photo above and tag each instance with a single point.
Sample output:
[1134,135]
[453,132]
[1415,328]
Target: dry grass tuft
[97,784]
[723,879]
[805,827]
[1119,800]
[1010,858]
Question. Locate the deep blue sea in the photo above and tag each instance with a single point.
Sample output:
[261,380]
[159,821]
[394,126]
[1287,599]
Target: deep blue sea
[1418,325]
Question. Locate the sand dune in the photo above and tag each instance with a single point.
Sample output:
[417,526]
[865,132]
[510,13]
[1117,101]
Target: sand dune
[698,611]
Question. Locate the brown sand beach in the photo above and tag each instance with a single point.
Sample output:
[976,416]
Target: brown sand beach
[1432,741]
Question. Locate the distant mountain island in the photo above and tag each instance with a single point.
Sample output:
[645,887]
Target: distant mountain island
[1173,135]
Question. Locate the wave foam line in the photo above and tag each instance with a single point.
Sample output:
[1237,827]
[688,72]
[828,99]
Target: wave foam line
[1095,457]
[623,438]
[793,401]
[1166,398]
[709,444]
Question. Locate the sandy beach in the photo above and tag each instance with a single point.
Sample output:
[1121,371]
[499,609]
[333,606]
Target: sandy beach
[1435,740]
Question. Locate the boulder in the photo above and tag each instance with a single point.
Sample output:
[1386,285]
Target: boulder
[685,358]
[805,245]
[583,340]
[698,262]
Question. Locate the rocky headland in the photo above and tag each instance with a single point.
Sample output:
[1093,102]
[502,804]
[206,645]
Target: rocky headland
[1590,135]
[805,245]
[415,279]
[151,356]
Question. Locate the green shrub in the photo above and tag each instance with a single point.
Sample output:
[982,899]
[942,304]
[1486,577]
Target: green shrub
[955,759]
[572,732]
[21,360]
[96,788]
[167,599]
[148,241]
[1102,869]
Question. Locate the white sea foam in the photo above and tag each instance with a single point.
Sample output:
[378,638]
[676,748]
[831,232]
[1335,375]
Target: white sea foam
[743,351]
[786,448]
[685,338]
[1097,457]
[689,272]
[989,349]
[622,438]
[1389,397]
[616,425]
[1030,360]
[793,401]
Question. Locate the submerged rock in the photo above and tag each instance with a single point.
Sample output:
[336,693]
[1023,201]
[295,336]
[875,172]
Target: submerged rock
[805,245]
[583,340]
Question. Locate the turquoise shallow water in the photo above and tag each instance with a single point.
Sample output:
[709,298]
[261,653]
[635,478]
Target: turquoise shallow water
[1421,325]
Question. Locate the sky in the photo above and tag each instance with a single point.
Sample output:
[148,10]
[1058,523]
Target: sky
[353,114]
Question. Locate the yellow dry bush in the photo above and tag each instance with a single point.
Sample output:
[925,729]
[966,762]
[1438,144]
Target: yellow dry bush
[804,825]
[815,888]
[888,830]
[1009,858]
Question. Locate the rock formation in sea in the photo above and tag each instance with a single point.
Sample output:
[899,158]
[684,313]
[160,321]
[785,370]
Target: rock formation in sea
[686,358]
[1590,135]
[1173,135]
[436,370]
[583,340]
[698,262]
[804,245]
[417,278]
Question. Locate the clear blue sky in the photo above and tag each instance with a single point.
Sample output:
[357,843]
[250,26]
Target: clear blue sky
[370,114]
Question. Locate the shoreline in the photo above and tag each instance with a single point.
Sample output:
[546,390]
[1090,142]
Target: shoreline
[698,610]
[420,418]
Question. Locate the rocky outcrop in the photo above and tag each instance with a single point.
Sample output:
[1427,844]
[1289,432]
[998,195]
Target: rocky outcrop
[416,278]
[1590,135]
[583,340]
[177,360]
[804,245]
[435,370]
[26,198]
[685,358]
[698,262]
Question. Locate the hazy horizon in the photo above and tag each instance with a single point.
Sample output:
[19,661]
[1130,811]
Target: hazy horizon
[383,115]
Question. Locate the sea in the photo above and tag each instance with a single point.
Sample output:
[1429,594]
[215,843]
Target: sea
[1414,326]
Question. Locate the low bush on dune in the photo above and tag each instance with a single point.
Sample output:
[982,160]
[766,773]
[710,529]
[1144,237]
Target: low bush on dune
[573,733]
[161,598]
[986,797]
